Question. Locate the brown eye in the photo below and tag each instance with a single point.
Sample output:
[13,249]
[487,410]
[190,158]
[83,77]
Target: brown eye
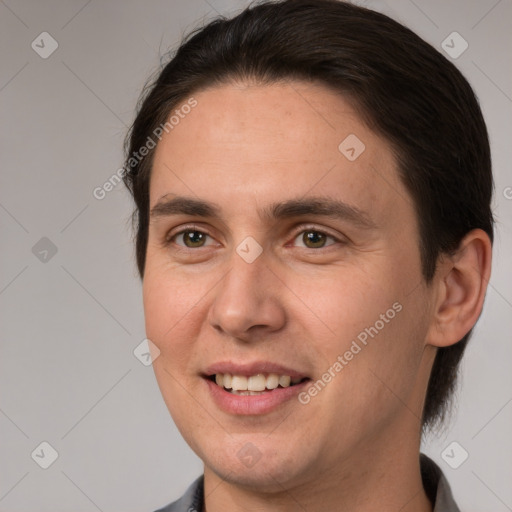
[192,238]
[315,238]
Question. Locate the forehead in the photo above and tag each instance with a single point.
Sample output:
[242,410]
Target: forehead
[246,142]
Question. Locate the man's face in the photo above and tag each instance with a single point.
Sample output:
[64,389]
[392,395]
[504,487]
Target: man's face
[261,289]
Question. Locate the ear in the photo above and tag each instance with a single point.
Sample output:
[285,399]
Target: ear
[460,284]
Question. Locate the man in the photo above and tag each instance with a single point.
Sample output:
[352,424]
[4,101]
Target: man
[314,237]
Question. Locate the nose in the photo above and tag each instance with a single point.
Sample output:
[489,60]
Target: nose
[248,302]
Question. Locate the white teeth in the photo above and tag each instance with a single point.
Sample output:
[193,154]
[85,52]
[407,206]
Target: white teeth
[272,381]
[284,380]
[246,392]
[227,380]
[239,383]
[255,384]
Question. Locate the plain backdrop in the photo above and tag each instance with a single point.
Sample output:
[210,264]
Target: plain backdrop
[70,298]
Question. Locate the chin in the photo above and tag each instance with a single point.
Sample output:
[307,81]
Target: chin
[266,469]
[263,477]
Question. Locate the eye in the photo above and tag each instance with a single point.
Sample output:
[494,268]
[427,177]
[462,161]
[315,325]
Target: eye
[192,238]
[314,239]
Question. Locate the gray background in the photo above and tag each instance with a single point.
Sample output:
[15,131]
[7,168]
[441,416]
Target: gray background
[70,323]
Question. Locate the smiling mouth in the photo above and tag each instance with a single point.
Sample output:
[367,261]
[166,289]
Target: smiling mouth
[254,384]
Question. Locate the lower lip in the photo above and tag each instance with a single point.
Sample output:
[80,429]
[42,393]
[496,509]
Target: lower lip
[252,404]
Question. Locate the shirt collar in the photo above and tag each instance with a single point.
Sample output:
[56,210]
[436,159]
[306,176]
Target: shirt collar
[436,486]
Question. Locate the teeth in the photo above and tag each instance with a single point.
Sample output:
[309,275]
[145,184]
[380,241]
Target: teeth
[255,384]
[272,381]
[284,381]
[239,383]
[227,380]
[246,392]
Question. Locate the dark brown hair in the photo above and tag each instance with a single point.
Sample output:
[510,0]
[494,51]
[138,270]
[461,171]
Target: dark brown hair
[403,88]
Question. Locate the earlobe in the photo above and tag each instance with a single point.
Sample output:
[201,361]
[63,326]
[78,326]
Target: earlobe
[462,280]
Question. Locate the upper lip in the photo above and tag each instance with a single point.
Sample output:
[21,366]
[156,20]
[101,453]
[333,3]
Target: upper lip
[252,368]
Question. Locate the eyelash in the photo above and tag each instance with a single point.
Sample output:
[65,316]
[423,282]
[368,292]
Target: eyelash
[300,230]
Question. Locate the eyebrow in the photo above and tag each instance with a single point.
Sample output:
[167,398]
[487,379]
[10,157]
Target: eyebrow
[317,205]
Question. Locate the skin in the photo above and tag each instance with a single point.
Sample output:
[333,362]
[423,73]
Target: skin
[355,445]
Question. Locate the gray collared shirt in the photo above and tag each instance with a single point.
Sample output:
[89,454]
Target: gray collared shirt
[435,484]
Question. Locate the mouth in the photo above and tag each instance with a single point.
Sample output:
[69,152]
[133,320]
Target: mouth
[252,385]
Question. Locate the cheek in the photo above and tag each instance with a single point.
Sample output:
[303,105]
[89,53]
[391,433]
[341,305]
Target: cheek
[372,320]
[347,301]
[170,303]
[171,312]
